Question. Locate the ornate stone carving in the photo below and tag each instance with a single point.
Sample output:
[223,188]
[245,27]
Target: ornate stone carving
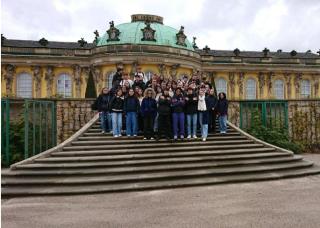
[97,76]
[265,52]
[113,32]
[287,77]
[232,83]
[9,75]
[206,49]
[269,82]
[240,83]
[37,76]
[236,52]
[293,53]
[181,37]
[77,80]
[315,79]
[86,72]
[97,36]
[82,42]
[43,42]
[261,79]
[174,70]
[49,76]
[297,81]
[148,32]
[162,70]
[134,67]
[194,45]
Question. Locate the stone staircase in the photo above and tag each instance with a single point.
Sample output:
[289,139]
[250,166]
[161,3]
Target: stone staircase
[90,162]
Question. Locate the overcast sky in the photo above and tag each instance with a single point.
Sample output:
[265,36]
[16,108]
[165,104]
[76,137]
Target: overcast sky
[220,24]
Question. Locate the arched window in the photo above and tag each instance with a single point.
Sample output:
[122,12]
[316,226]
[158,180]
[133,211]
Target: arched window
[147,76]
[109,79]
[279,89]
[24,85]
[64,86]
[251,89]
[221,86]
[305,88]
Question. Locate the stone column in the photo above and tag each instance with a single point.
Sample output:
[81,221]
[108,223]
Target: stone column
[97,77]
[231,84]
[261,79]
[287,77]
[37,75]
[49,76]
[77,80]
[297,85]
[8,77]
[269,83]
[240,83]
[162,70]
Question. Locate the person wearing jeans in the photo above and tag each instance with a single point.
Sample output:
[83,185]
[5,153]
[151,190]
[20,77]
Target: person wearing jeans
[191,107]
[102,104]
[203,114]
[131,108]
[116,106]
[222,110]
[178,103]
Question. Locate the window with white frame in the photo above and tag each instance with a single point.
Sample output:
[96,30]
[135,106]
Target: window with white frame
[221,85]
[64,85]
[147,76]
[278,89]
[109,79]
[305,88]
[24,85]
[251,89]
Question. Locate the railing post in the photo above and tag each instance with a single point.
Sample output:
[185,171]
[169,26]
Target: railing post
[40,127]
[7,133]
[53,119]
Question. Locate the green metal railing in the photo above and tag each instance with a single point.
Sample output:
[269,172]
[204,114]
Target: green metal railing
[271,113]
[28,128]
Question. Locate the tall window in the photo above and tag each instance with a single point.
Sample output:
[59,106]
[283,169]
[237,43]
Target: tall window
[251,89]
[221,86]
[24,85]
[279,89]
[109,79]
[64,86]
[305,88]
[147,76]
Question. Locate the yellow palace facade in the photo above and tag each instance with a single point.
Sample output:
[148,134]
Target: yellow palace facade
[47,69]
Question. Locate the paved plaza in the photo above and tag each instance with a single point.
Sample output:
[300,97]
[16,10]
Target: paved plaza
[282,203]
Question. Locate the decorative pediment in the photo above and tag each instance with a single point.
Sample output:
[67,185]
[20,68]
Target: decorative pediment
[148,32]
[113,32]
[181,37]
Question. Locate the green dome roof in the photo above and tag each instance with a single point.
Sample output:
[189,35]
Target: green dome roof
[130,33]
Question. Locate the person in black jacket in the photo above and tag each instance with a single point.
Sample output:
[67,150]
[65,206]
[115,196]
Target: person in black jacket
[117,77]
[148,112]
[164,118]
[222,111]
[103,103]
[177,105]
[131,108]
[191,110]
[116,107]
[212,112]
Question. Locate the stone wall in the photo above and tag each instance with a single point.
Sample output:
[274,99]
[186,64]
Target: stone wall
[72,114]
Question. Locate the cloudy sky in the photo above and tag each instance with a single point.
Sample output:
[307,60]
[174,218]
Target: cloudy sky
[220,24]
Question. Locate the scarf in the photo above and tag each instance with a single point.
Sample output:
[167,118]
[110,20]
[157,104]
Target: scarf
[202,103]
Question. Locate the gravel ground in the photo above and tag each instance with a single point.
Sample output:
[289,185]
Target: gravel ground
[282,203]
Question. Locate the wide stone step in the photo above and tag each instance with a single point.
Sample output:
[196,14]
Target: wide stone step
[112,140]
[162,152]
[184,174]
[150,168]
[145,156]
[152,144]
[125,137]
[96,130]
[160,146]
[15,191]
[154,162]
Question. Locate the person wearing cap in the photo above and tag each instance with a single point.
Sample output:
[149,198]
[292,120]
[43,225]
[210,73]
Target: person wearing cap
[178,103]
[138,81]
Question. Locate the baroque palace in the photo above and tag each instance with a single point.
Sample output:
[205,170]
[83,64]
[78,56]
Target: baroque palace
[48,69]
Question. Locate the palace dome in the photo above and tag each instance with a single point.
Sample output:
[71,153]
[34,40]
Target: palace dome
[131,33]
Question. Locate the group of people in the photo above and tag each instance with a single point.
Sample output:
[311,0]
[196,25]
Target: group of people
[161,108]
